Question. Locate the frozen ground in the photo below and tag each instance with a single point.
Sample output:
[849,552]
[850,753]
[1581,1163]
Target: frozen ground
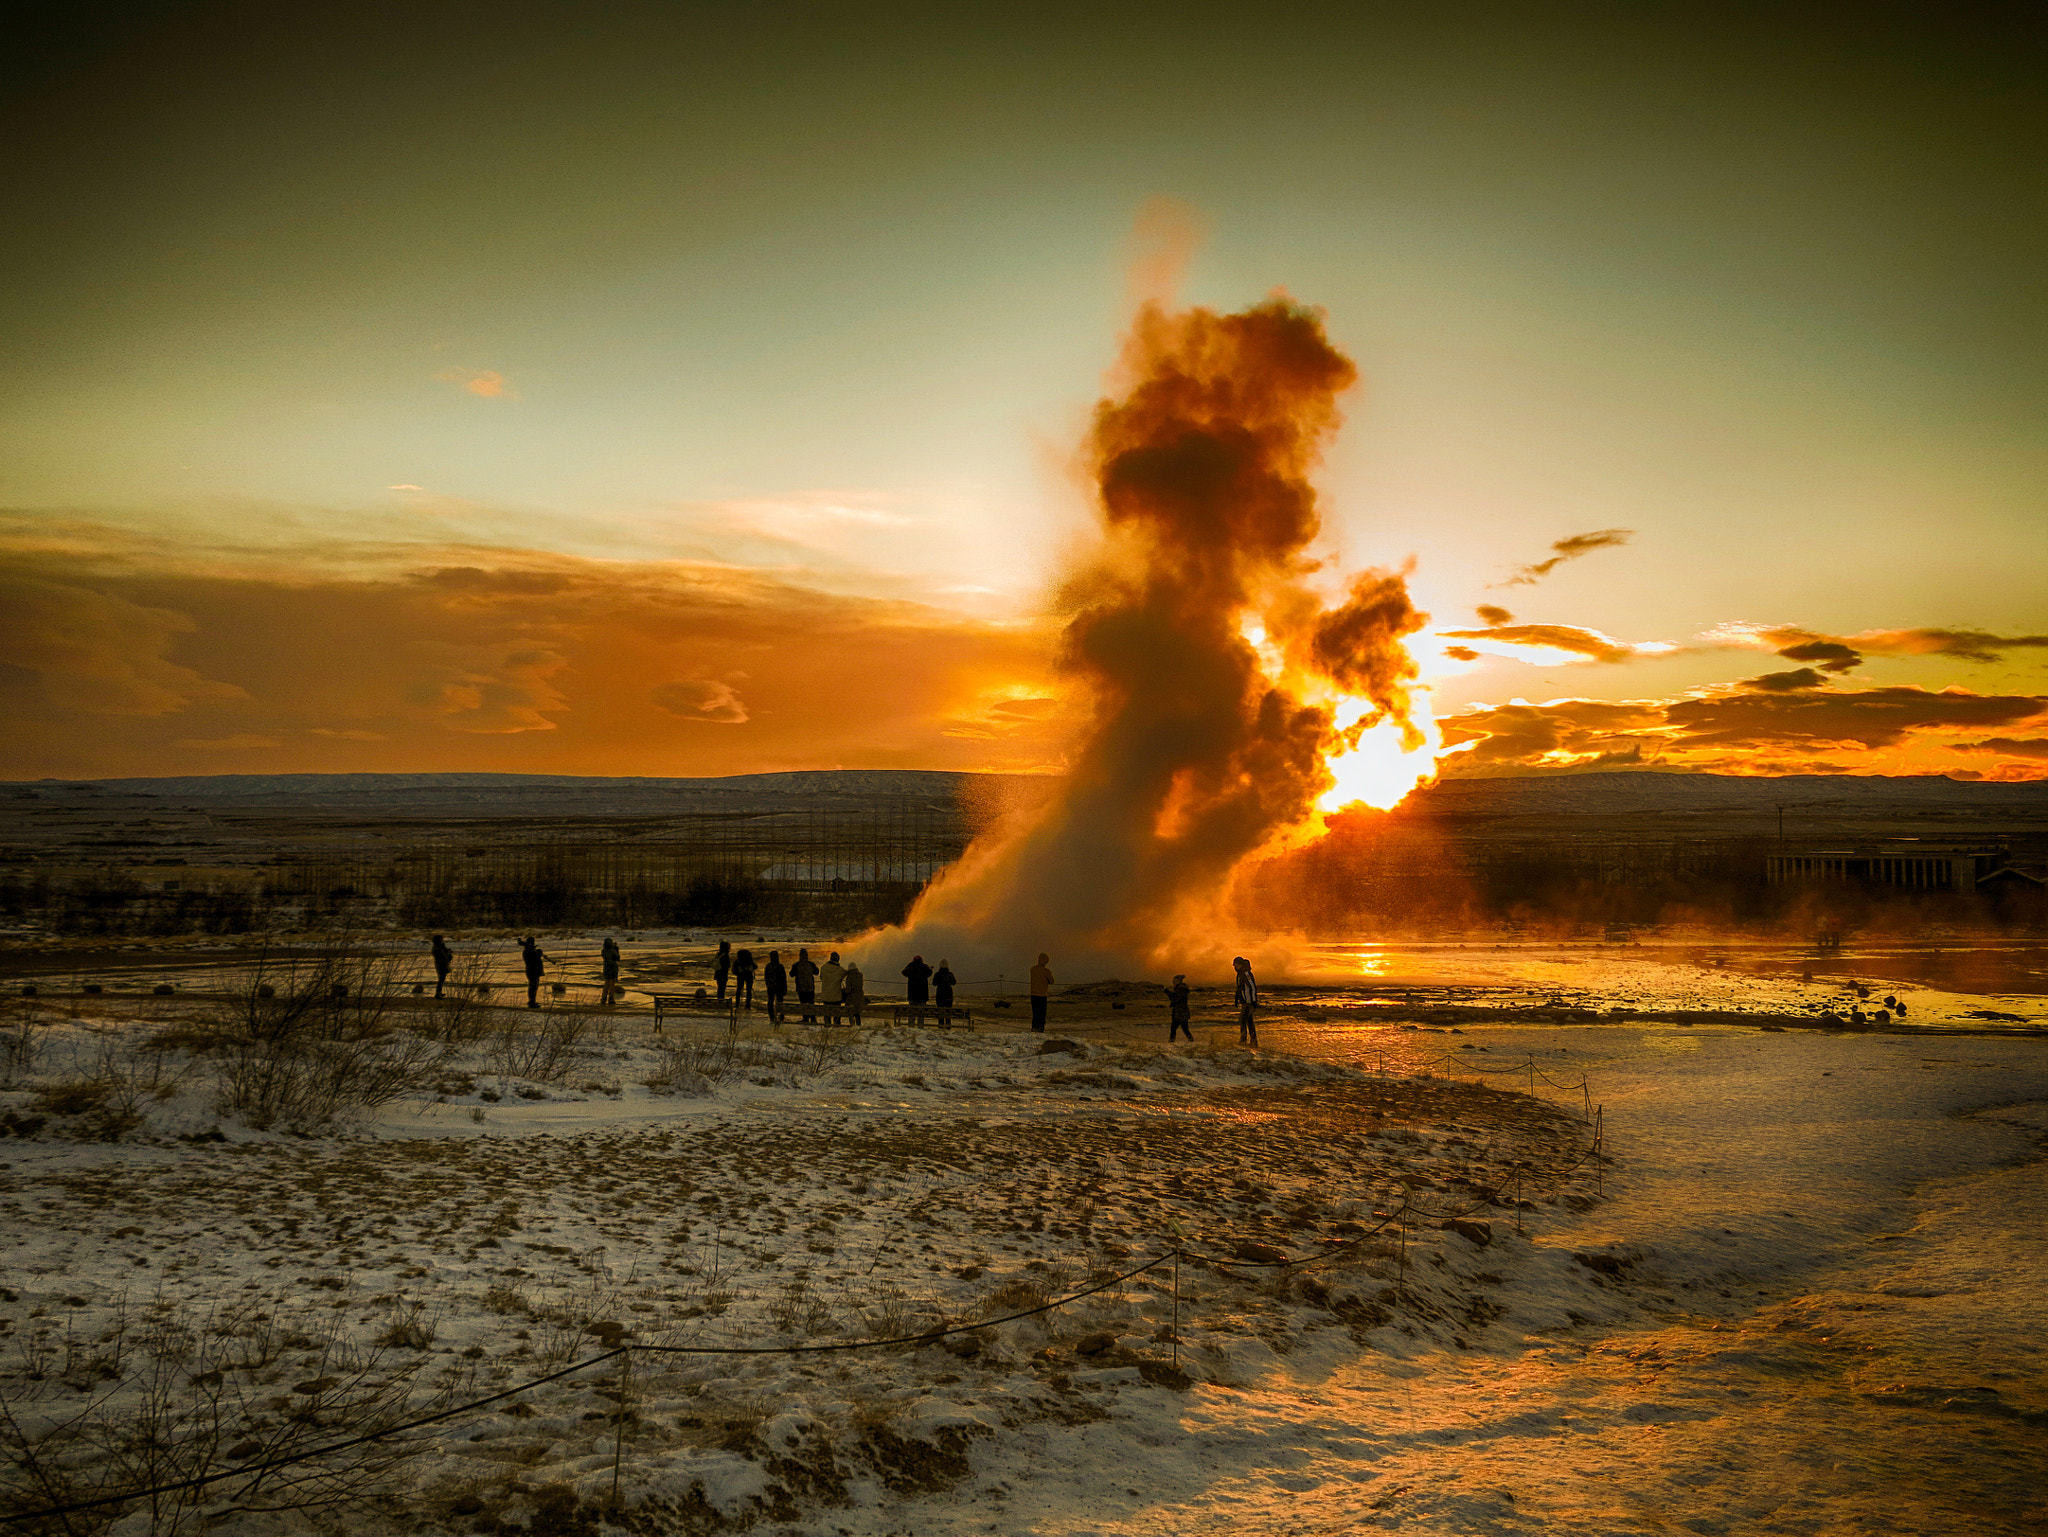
[1819,1271]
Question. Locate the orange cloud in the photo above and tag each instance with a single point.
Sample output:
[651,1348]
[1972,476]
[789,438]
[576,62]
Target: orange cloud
[83,650]
[511,661]
[487,382]
[1575,640]
[704,699]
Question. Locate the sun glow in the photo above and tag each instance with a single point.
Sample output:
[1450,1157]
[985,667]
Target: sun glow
[1378,769]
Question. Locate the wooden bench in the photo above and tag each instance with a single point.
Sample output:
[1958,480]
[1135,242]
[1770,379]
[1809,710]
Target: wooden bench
[931,1014]
[690,1003]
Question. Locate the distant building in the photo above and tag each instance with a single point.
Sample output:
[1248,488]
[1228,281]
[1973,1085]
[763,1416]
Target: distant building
[1929,867]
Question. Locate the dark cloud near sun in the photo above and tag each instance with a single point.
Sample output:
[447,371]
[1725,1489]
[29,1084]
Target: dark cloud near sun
[1749,728]
[1569,549]
[2007,746]
[1785,682]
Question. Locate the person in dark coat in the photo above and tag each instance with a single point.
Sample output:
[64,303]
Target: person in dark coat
[1177,1013]
[743,980]
[721,966]
[804,974]
[443,959]
[1041,990]
[1247,1003]
[608,954]
[919,977]
[775,979]
[943,983]
[536,963]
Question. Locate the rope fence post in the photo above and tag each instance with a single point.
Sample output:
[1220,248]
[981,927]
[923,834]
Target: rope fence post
[1401,1227]
[1176,1310]
[1599,1150]
[619,1421]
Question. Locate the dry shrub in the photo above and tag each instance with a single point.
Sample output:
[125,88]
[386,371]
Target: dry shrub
[110,1097]
[174,1396]
[540,1054]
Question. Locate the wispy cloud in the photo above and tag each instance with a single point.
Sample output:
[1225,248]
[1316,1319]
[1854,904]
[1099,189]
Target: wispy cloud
[1569,549]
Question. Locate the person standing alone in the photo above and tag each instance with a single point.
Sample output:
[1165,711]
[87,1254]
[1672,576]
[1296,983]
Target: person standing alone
[443,959]
[536,963]
[1041,989]
[608,954]
[1247,1004]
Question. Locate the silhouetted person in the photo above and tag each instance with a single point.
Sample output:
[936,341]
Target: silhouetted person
[943,983]
[775,981]
[918,978]
[743,980]
[443,959]
[853,991]
[1247,1003]
[1041,989]
[805,975]
[721,966]
[831,977]
[608,953]
[536,963]
[1177,1014]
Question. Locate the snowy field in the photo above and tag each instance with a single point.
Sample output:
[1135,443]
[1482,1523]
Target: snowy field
[1798,1298]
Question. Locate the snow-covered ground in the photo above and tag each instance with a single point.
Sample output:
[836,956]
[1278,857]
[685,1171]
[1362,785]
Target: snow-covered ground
[1815,1267]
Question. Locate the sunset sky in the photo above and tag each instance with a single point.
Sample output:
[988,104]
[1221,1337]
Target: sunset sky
[621,389]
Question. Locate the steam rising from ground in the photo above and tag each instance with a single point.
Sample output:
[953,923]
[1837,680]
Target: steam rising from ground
[1218,684]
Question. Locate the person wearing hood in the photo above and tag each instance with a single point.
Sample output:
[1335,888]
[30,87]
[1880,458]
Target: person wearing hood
[831,978]
[1247,1003]
[943,983]
[1177,1013]
[804,976]
[853,991]
[776,981]
[918,976]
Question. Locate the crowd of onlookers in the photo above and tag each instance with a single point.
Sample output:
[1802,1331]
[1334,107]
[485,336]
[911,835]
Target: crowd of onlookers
[834,992]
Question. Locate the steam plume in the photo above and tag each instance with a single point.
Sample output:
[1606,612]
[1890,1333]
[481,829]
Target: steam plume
[1215,678]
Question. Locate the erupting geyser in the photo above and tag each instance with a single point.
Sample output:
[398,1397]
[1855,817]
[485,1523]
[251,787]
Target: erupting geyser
[1227,704]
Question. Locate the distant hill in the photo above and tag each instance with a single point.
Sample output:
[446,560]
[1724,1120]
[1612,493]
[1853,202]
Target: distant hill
[1612,794]
[528,794]
[1620,794]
